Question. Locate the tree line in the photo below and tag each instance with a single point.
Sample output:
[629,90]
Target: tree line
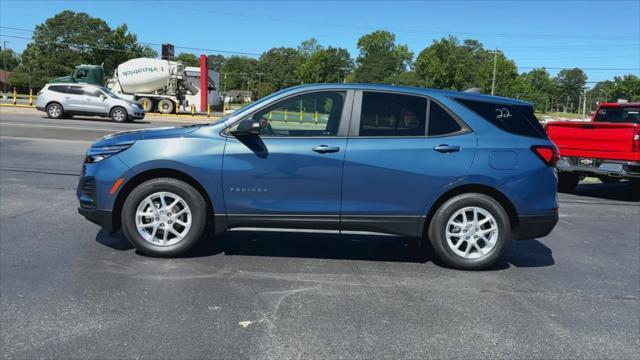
[69,39]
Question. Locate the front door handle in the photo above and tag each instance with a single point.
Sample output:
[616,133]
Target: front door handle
[323,149]
[446,148]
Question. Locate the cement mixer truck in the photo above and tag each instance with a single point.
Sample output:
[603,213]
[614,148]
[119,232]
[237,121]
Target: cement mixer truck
[159,85]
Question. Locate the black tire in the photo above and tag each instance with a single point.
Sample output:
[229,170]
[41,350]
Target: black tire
[438,228]
[567,181]
[147,104]
[166,106]
[191,196]
[119,114]
[54,110]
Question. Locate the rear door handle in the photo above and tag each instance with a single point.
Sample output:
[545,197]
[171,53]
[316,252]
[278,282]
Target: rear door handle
[323,149]
[446,148]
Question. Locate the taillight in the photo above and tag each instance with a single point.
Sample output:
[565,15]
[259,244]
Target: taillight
[548,154]
[636,138]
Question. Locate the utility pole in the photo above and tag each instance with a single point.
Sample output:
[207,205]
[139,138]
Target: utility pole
[584,104]
[495,67]
[344,77]
[4,66]
[259,82]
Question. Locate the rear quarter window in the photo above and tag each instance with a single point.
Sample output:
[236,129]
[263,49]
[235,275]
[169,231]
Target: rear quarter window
[515,119]
[618,114]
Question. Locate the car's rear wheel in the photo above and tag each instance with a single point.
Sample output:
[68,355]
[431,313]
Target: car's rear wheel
[567,181]
[147,104]
[164,217]
[470,231]
[119,114]
[54,111]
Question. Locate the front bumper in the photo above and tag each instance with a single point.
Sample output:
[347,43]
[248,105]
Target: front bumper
[100,217]
[536,226]
[600,167]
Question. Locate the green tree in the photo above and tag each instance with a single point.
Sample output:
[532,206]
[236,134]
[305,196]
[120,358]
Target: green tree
[538,88]
[188,59]
[235,72]
[10,57]
[309,47]
[407,78]
[446,64]
[325,65]
[626,87]
[380,57]
[215,62]
[280,67]
[69,39]
[570,84]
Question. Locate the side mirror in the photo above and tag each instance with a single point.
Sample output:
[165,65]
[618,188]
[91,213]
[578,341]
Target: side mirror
[246,127]
[103,97]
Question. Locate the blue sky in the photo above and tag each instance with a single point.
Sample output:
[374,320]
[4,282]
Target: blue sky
[587,34]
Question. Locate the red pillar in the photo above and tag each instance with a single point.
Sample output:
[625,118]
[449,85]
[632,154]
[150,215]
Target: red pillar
[204,86]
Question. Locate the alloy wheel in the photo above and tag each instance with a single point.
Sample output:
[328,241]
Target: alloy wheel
[472,232]
[163,219]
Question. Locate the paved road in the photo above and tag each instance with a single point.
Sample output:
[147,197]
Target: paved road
[68,289]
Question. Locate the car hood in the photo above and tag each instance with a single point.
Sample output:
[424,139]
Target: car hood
[124,137]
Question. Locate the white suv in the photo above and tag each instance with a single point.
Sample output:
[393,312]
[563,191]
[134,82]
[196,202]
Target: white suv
[65,100]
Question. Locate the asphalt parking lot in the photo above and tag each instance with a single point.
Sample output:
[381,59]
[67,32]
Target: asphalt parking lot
[71,290]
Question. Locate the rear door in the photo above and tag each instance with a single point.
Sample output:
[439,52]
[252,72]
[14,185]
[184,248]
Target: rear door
[402,151]
[290,175]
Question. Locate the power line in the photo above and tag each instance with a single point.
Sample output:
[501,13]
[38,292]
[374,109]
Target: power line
[413,31]
[151,44]
[571,67]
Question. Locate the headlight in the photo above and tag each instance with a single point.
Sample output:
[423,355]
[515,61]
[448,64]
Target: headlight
[99,153]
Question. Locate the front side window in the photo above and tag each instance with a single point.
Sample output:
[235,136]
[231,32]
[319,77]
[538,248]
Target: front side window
[387,114]
[313,114]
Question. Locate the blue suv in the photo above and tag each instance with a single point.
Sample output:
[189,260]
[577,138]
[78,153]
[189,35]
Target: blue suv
[466,171]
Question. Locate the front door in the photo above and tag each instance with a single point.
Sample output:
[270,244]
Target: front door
[289,176]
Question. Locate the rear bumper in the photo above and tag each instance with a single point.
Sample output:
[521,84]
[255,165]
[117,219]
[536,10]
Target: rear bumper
[536,226]
[600,167]
[100,217]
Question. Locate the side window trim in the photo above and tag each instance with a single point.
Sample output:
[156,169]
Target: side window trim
[343,127]
[354,129]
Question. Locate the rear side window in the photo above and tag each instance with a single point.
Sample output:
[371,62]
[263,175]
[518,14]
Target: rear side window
[618,114]
[58,88]
[386,114]
[76,90]
[516,119]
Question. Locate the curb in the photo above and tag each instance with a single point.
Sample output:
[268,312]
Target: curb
[148,116]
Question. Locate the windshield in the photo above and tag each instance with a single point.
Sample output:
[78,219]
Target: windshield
[108,92]
[618,114]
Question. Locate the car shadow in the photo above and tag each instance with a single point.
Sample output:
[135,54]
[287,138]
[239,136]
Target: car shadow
[620,191]
[99,119]
[520,253]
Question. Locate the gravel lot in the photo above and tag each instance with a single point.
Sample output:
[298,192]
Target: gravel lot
[71,290]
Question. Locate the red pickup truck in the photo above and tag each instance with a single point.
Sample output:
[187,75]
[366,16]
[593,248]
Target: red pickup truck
[607,147]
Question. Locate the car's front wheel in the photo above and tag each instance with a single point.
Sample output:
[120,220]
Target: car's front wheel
[470,231]
[164,217]
[119,114]
[54,111]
